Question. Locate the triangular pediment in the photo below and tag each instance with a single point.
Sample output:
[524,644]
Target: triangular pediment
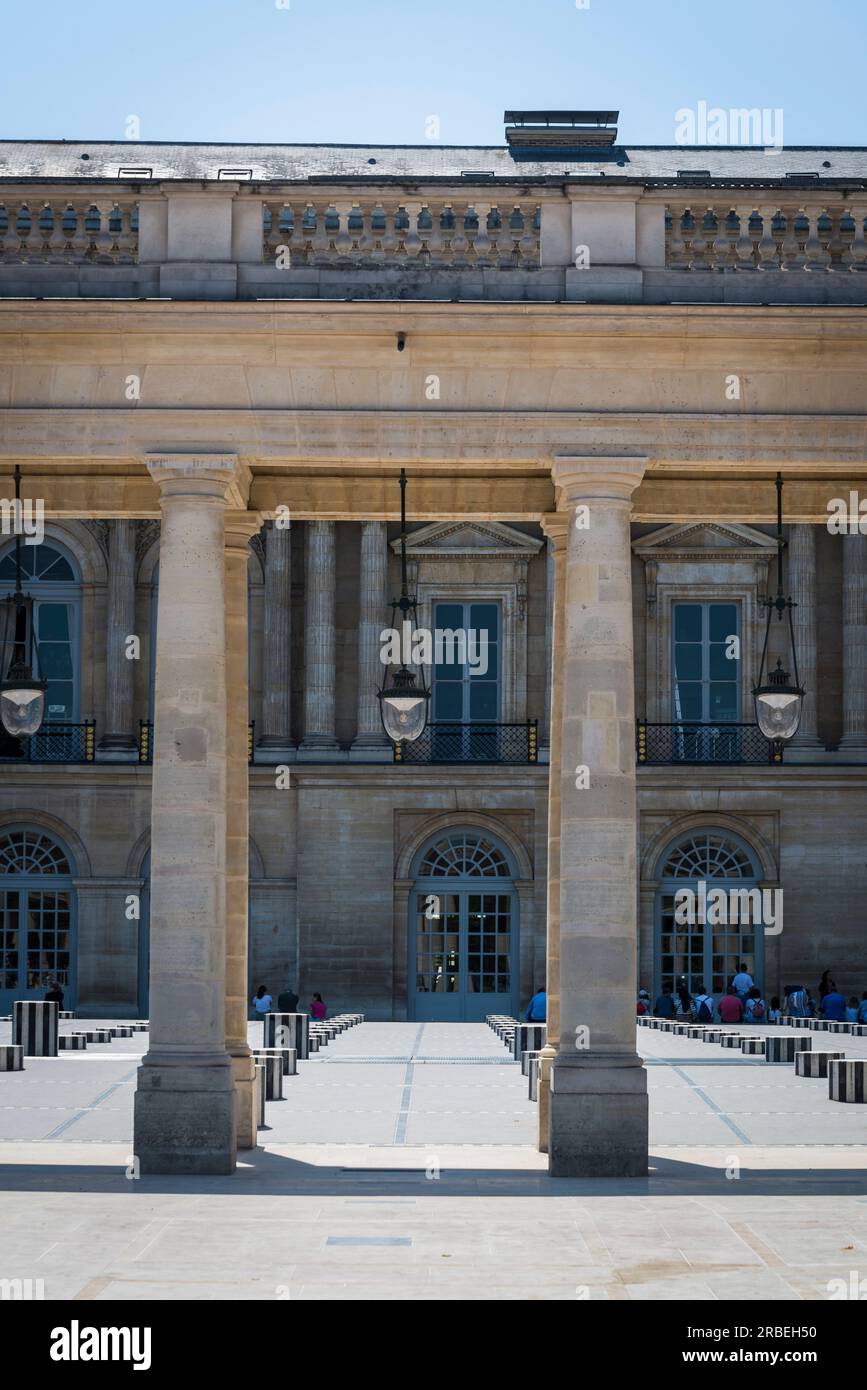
[696,538]
[481,539]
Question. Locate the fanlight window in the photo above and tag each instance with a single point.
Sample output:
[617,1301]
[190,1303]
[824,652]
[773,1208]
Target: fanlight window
[706,856]
[40,562]
[29,852]
[463,854]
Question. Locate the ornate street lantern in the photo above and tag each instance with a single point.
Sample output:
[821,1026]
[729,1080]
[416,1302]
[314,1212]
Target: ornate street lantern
[22,699]
[403,701]
[779,699]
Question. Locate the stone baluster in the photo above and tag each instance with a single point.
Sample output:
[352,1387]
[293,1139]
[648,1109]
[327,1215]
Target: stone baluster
[372,615]
[854,642]
[119,742]
[319,638]
[767,250]
[746,255]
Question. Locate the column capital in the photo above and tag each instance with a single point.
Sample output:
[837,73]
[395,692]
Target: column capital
[241,527]
[220,476]
[605,477]
[555,526]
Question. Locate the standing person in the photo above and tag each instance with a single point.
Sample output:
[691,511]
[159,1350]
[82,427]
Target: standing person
[852,1010]
[731,1010]
[317,1008]
[796,1001]
[664,1006]
[287,1001]
[862,1008]
[774,1011]
[537,1009]
[826,985]
[262,1000]
[642,1005]
[743,982]
[54,994]
[703,1006]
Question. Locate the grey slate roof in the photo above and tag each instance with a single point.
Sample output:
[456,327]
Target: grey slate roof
[62,159]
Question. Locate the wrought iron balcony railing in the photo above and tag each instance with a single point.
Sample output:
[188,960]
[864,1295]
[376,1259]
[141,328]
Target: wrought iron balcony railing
[146,741]
[704,743]
[55,743]
[473,743]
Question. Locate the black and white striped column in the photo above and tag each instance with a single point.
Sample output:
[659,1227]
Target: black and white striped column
[528,1037]
[273,1065]
[288,1030]
[533,1079]
[72,1042]
[260,1094]
[34,1026]
[814,1063]
[753,1047]
[526,1059]
[11,1057]
[287,1056]
[847,1080]
[784,1049]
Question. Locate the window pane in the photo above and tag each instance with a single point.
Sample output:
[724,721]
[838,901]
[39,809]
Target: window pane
[688,701]
[448,700]
[52,622]
[687,622]
[724,703]
[722,621]
[722,667]
[483,700]
[687,661]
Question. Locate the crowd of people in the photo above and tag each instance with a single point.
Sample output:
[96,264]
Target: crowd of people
[743,1002]
[287,1003]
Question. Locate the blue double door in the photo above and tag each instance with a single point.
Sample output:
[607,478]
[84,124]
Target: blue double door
[463,952]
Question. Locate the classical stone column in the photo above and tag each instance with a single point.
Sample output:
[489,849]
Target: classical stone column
[184,1104]
[598,1122]
[119,742]
[554,527]
[319,638]
[372,617]
[854,643]
[802,587]
[276,737]
[550,595]
[240,527]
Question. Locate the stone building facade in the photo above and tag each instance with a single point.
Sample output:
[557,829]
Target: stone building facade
[591,359]
[336,849]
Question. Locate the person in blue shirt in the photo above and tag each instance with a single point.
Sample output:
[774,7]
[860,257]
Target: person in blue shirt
[537,1009]
[834,1006]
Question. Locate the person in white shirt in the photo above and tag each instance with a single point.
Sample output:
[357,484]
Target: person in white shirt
[262,1001]
[743,982]
[703,1015]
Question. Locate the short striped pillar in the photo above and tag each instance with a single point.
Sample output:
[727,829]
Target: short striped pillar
[72,1042]
[34,1026]
[121,1030]
[814,1063]
[95,1035]
[287,1056]
[696,1030]
[753,1047]
[818,1025]
[288,1030]
[312,1044]
[533,1079]
[713,1035]
[731,1039]
[526,1058]
[529,1037]
[834,1027]
[273,1065]
[784,1049]
[68,1013]
[11,1057]
[859,1030]
[847,1080]
[260,1093]
[797,1022]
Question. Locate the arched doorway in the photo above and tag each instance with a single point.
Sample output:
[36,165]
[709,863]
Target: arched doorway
[463,929]
[37,917]
[705,952]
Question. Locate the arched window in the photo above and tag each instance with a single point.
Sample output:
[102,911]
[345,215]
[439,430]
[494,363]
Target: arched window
[49,574]
[37,912]
[463,929]
[464,854]
[707,951]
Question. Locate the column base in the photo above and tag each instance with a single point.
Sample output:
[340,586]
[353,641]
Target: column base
[246,1117]
[598,1122]
[185,1118]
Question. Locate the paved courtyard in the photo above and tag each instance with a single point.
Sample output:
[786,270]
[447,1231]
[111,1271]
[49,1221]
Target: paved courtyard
[402,1165]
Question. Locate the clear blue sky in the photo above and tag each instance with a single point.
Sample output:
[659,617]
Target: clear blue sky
[371,71]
